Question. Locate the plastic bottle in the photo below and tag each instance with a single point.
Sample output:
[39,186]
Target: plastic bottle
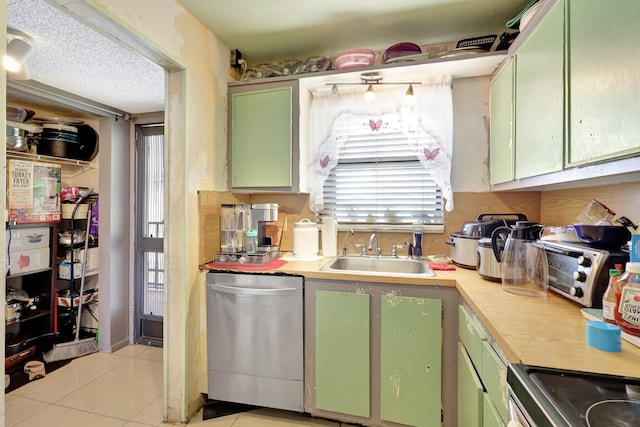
[627,294]
[609,297]
[417,240]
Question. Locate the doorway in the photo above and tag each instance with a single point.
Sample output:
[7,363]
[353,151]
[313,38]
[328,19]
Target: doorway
[149,277]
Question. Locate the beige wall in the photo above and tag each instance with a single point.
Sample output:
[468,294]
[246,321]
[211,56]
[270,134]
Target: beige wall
[196,120]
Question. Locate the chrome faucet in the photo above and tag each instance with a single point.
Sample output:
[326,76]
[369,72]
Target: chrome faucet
[410,251]
[348,233]
[371,247]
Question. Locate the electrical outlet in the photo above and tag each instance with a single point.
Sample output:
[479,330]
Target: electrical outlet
[236,56]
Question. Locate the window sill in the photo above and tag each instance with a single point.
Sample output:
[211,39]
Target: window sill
[391,228]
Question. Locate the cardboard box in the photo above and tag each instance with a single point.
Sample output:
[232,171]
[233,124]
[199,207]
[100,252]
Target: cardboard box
[28,238]
[33,191]
[93,260]
[64,270]
[28,260]
[75,301]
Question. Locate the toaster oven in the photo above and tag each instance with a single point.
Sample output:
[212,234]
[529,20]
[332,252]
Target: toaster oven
[580,272]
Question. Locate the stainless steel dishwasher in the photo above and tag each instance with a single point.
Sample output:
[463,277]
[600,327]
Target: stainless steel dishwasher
[255,339]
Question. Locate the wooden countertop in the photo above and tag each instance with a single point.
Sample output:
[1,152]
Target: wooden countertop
[548,332]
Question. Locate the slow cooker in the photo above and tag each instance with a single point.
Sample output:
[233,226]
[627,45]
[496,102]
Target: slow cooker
[464,244]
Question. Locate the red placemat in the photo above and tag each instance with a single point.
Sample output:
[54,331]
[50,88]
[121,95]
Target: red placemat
[271,265]
[436,266]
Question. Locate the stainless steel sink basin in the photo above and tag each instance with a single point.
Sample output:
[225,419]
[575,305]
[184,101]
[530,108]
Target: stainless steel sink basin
[379,265]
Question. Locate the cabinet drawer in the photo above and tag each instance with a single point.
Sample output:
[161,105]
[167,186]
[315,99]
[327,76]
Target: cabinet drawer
[470,392]
[494,377]
[471,334]
[28,238]
[490,415]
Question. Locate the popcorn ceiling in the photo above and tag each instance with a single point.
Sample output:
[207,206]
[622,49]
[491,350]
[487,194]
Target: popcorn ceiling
[73,57]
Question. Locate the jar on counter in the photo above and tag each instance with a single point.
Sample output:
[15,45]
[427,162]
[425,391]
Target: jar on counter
[252,241]
[305,238]
[627,314]
[609,297]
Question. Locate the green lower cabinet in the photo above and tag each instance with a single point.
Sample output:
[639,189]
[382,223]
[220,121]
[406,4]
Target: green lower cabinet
[490,415]
[411,360]
[342,352]
[494,378]
[470,392]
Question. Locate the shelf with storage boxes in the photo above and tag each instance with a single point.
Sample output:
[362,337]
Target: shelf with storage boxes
[30,285]
[78,260]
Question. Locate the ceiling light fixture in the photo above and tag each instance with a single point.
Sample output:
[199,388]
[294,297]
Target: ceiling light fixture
[369,95]
[409,91]
[19,47]
[372,79]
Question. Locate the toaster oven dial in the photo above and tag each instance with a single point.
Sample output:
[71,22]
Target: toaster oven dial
[580,276]
[584,261]
[576,292]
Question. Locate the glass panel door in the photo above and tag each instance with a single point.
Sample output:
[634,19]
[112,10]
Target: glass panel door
[149,256]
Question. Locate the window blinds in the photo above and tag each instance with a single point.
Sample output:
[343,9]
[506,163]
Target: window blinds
[380,180]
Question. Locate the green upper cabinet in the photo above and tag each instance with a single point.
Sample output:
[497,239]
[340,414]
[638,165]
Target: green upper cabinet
[604,84]
[539,98]
[411,360]
[263,136]
[501,151]
[342,352]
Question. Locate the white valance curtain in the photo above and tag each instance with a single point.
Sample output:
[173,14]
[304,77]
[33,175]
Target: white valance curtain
[426,122]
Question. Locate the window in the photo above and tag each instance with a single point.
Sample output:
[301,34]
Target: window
[380,180]
[384,164]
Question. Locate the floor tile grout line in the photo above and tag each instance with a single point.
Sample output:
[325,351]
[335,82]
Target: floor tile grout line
[93,413]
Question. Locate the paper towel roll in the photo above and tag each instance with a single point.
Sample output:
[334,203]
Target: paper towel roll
[329,236]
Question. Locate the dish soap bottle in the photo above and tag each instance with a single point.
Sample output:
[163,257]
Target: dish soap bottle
[609,296]
[417,241]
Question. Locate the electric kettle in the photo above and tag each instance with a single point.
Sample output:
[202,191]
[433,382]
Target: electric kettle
[523,261]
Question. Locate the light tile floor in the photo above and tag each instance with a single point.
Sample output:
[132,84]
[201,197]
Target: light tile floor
[123,389]
[119,389]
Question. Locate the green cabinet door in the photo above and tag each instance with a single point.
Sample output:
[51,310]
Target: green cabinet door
[342,352]
[501,148]
[539,94]
[604,64]
[490,415]
[470,392]
[494,377]
[261,136]
[411,360]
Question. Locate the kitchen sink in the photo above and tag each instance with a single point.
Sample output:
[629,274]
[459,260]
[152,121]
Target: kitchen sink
[379,265]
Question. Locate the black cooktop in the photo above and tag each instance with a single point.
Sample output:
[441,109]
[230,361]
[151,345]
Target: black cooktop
[554,397]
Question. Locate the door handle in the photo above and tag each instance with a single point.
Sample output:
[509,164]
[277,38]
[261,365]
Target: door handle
[250,291]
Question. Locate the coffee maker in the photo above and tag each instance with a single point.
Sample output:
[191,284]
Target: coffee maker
[243,236]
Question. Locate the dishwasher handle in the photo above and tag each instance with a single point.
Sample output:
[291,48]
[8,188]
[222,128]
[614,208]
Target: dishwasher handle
[250,291]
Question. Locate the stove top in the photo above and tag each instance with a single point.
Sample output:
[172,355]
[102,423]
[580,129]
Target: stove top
[554,397]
